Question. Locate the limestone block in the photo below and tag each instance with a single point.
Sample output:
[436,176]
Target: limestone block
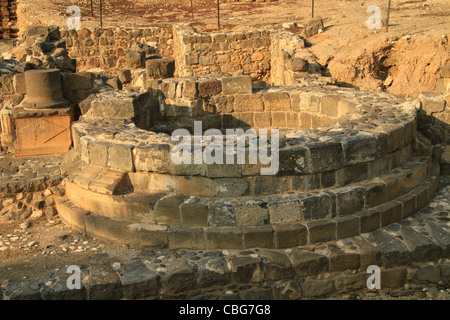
[277,101]
[237,85]
[432,102]
[135,59]
[209,88]
[78,81]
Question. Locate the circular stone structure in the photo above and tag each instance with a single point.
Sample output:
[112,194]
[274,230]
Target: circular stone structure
[348,164]
[44,89]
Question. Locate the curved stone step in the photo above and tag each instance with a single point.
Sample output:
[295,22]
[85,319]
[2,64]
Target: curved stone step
[281,235]
[104,192]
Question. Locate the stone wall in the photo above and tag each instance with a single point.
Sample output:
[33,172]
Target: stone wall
[231,52]
[107,48]
[28,187]
[8,18]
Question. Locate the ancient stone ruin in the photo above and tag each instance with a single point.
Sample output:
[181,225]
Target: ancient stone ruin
[108,101]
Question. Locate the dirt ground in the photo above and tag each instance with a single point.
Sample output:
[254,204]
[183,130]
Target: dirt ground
[47,244]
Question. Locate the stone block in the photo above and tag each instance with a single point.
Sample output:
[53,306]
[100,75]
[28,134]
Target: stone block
[121,157]
[138,281]
[259,237]
[360,148]
[135,59]
[306,182]
[306,263]
[152,158]
[244,269]
[248,102]
[224,238]
[194,213]
[43,135]
[221,214]
[209,88]
[341,260]
[329,106]
[370,220]
[325,156]
[390,212]
[422,248]
[237,85]
[394,251]
[187,238]
[321,231]
[290,235]
[375,194]
[316,206]
[179,278]
[251,213]
[294,161]
[160,68]
[167,210]
[349,200]
[265,185]
[284,210]
[277,101]
[277,265]
[432,102]
[78,81]
[98,153]
[393,278]
[347,227]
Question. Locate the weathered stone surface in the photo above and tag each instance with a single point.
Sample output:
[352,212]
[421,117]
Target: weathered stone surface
[325,156]
[421,247]
[221,214]
[160,68]
[341,260]
[226,237]
[307,263]
[167,210]
[287,290]
[105,284]
[251,213]
[321,231]
[316,207]
[214,272]
[284,210]
[135,59]
[277,265]
[179,277]
[208,88]
[290,235]
[349,200]
[316,288]
[441,237]
[194,213]
[293,161]
[244,269]
[277,101]
[232,187]
[429,274]
[237,85]
[432,102]
[393,278]
[186,238]
[138,281]
[395,253]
